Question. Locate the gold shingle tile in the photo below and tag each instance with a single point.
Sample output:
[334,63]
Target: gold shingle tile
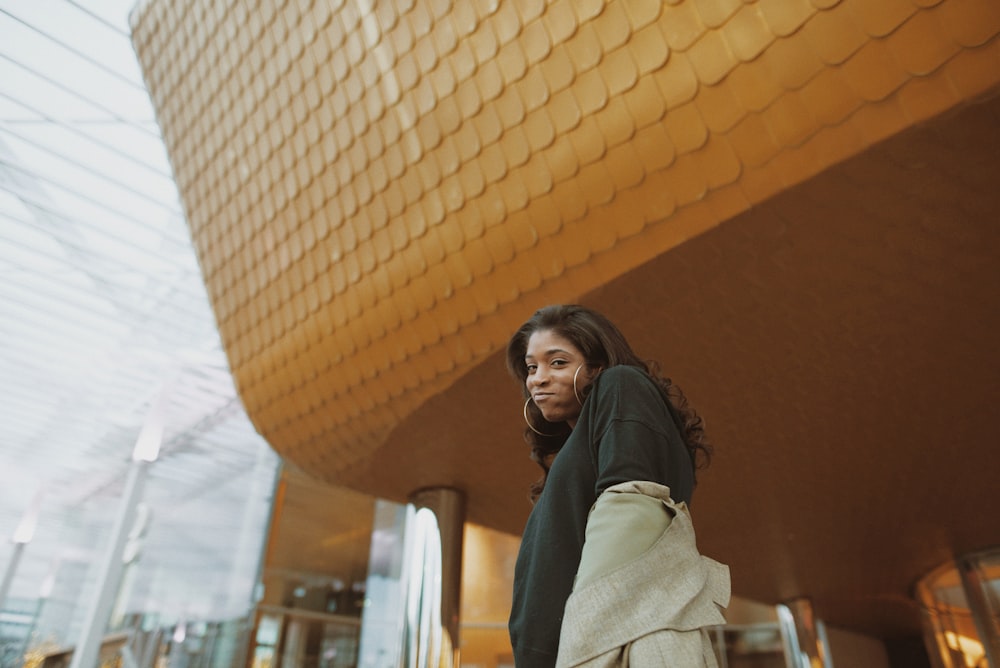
[833,35]
[873,71]
[539,131]
[645,103]
[515,192]
[494,163]
[973,72]
[970,23]
[590,92]
[789,120]
[618,71]
[791,62]
[615,122]
[558,69]
[576,247]
[560,20]
[677,81]
[686,128]
[535,41]
[463,61]
[529,10]
[596,183]
[649,49]
[920,45]
[506,22]
[584,48]
[537,176]
[588,9]
[829,97]
[512,62]
[612,27]
[622,162]
[654,147]
[719,107]
[442,80]
[879,119]
[752,142]
[878,19]
[484,43]
[489,80]
[510,108]
[747,33]
[711,58]
[433,207]
[468,99]
[681,25]
[715,13]
[569,201]
[562,159]
[445,37]
[927,97]
[448,116]
[544,216]
[515,147]
[533,90]
[642,13]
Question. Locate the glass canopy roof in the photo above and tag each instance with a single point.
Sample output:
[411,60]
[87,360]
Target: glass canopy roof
[102,308]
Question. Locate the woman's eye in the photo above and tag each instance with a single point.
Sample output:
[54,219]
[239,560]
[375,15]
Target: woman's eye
[532,368]
[558,362]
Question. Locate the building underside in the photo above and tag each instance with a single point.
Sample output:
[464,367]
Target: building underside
[791,206]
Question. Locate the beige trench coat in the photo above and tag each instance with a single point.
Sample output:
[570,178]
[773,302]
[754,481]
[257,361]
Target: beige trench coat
[652,611]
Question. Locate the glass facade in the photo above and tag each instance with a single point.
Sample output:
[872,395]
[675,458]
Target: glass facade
[961,609]
[103,314]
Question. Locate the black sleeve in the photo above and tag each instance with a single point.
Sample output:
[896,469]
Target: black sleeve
[634,436]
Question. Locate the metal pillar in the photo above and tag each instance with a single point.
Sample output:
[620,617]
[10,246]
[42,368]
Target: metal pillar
[436,587]
[984,610]
[806,645]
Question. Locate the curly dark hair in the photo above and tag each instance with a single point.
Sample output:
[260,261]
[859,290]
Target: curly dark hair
[603,346]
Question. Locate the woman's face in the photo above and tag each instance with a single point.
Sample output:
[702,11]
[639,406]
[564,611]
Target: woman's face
[552,362]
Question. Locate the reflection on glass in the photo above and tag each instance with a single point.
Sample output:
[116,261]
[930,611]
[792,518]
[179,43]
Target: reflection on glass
[425,641]
[961,609]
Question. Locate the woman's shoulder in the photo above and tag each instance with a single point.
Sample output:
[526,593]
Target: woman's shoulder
[625,378]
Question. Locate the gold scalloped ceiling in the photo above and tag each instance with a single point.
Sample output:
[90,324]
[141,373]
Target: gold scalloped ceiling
[379,192]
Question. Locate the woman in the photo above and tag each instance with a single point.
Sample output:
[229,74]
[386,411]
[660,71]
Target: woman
[608,573]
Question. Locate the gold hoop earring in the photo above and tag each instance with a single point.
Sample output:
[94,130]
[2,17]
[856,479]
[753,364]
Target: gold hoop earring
[575,392]
[528,421]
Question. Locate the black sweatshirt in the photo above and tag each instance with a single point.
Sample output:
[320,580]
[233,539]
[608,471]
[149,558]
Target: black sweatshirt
[625,432]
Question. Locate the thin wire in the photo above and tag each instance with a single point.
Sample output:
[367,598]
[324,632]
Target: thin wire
[79,54]
[99,19]
[179,242]
[72,128]
[104,259]
[79,96]
[76,193]
[45,207]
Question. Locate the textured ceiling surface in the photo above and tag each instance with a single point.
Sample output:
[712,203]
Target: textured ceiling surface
[380,192]
[377,189]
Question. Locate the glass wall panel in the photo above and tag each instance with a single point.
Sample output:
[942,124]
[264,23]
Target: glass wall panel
[961,604]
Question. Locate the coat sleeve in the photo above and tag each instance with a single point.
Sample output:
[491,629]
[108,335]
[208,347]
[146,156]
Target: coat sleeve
[620,527]
[670,590]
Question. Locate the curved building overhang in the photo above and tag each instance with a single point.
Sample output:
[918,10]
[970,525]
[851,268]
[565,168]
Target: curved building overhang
[790,204]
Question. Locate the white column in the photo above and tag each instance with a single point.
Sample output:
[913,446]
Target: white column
[804,636]
[109,576]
